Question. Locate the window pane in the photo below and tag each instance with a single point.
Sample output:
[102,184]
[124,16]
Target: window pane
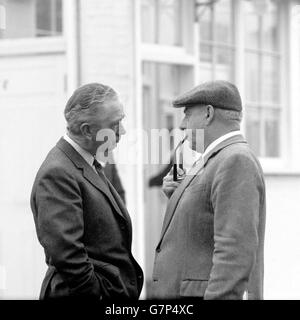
[252,26]
[253,78]
[161,21]
[33,17]
[253,129]
[205,73]
[170,22]
[48,18]
[206,52]
[206,24]
[272,132]
[148,20]
[270,28]
[262,25]
[216,41]
[271,80]
[224,56]
[24,13]
[223,18]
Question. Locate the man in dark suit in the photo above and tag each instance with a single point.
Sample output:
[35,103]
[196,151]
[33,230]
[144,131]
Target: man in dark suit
[80,219]
[212,239]
[112,174]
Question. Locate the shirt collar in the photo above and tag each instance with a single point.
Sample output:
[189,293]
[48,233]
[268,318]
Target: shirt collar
[219,140]
[85,154]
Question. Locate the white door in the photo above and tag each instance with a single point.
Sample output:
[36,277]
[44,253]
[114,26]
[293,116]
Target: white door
[32,99]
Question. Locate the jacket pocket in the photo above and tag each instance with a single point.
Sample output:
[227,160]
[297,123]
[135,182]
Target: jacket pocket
[111,283]
[193,288]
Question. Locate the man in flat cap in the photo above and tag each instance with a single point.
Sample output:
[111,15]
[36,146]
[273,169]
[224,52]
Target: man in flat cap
[81,221]
[212,239]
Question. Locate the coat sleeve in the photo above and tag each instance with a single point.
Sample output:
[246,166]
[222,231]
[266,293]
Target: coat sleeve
[236,201]
[60,229]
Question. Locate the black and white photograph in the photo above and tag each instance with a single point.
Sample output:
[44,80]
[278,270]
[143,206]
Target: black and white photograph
[149,151]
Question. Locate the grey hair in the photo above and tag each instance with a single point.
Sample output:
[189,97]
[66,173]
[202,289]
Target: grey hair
[230,115]
[81,108]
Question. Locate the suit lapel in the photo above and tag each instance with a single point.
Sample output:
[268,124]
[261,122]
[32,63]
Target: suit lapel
[88,173]
[120,204]
[173,202]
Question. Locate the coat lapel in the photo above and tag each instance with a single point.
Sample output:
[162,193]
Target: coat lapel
[120,204]
[89,173]
[173,202]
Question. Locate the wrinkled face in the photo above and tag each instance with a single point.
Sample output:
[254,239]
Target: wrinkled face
[108,124]
[194,123]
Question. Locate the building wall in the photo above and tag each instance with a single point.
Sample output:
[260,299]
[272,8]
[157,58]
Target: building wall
[282,254]
[32,124]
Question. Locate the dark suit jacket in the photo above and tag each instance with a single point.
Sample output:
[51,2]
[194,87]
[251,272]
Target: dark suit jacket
[212,240]
[111,173]
[85,230]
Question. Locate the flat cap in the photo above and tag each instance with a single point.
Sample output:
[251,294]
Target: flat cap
[220,94]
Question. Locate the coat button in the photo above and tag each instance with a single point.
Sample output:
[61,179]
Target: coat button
[132,282]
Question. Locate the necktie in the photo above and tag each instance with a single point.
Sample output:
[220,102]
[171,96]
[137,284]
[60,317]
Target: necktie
[113,192]
[100,171]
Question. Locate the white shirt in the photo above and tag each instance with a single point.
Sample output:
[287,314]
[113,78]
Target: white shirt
[215,143]
[85,154]
[219,140]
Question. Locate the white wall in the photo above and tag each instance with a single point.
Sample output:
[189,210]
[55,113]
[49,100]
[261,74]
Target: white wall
[31,106]
[282,253]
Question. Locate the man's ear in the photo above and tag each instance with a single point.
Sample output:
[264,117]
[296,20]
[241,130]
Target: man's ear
[210,112]
[86,131]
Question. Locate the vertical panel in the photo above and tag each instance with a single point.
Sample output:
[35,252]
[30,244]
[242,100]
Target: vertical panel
[31,102]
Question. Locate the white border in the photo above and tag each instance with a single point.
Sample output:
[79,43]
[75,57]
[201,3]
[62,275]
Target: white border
[139,175]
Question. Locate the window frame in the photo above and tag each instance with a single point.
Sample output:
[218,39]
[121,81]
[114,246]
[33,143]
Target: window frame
[66,44]
[282,163]
[262,106]
[189,55]
[32,38]
[215,44]
[38,45]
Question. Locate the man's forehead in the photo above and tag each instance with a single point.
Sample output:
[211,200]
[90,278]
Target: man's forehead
[112,110]
[111,107]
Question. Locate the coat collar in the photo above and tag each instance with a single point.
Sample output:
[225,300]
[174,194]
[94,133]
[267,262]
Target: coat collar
[92,176]
[235,139]
[173,202]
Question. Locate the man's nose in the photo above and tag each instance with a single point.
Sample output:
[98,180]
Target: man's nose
[122,129]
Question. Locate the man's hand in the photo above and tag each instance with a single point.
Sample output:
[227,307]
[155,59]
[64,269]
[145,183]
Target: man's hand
[169,186]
